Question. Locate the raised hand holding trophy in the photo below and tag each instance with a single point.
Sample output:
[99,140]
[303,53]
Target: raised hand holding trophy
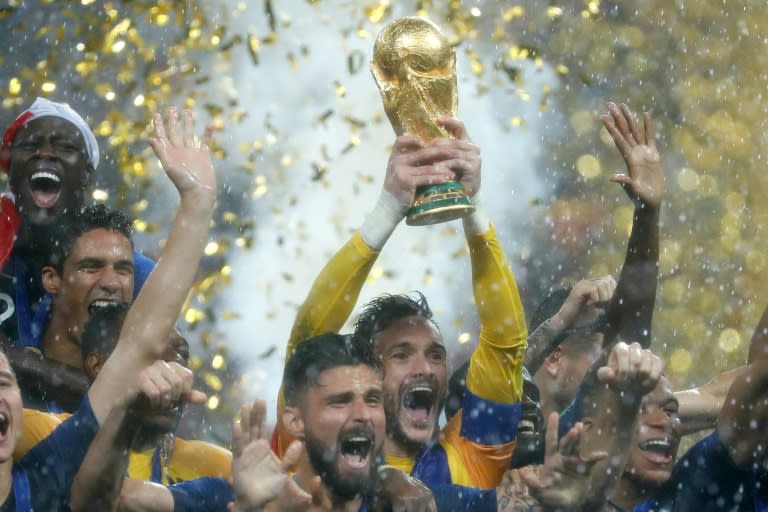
[415,69]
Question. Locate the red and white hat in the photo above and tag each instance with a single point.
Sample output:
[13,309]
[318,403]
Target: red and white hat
[43,108]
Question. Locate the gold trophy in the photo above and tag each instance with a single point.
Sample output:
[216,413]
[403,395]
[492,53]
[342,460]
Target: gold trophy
[415,69]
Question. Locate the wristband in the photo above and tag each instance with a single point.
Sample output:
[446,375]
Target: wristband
[381,222]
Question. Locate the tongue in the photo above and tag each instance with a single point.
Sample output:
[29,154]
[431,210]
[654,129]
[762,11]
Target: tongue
[45,199]
[354,460]
[418,414]
[658,458]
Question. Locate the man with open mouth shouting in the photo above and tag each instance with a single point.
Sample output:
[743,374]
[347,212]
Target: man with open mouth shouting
[50,154]
[475,449]
[333,397]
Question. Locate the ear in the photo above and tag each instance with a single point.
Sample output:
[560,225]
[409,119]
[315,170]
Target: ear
[293,422]
[93,364]
[51,280]
[87,176]
[552,362]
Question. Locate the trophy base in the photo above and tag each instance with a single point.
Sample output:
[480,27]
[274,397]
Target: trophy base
[439,203]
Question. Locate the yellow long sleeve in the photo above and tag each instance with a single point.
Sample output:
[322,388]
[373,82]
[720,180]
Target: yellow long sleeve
[495,369]
[334,292]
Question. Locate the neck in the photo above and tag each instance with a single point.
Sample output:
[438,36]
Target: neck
[60,344]
[146,440]
[305,476]
[34,241]
[395,448]
[6,480]
[630,493]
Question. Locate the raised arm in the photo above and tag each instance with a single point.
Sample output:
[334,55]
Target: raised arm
[144,335]
[630,312]
[495,368]
[336,289]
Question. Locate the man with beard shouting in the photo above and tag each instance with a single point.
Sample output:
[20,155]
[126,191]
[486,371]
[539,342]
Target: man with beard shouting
[477,448]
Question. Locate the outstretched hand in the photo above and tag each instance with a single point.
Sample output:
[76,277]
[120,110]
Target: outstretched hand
[562,482]
[644,181]
[187,164]
[258,476]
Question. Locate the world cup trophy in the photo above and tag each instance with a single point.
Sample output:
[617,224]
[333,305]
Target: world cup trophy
[415,69]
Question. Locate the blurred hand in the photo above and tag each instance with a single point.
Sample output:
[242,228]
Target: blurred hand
[397,491]
[167,384]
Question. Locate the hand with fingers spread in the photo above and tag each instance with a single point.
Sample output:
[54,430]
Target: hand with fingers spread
[258,476]
[166,385]
[632,369]
[187,163]
[644,181]
[562,482]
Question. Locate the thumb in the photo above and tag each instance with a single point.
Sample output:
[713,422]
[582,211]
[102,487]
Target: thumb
[194,396]
[605,374]
[292,455]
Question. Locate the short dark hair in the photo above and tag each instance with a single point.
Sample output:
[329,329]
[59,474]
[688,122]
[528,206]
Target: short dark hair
[319,354]
[71,228]
[101,331]
[382,311]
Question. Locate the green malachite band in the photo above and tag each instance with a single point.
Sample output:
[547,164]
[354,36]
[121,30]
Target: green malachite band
[432,205]
[442,187]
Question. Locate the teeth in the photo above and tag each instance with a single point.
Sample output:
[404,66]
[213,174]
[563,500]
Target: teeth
[525,424]
[47,175]
[422,388]
[358,439]
[102,303]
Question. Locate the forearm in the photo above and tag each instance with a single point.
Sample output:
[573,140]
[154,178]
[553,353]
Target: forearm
[758,346]
[541,343]
[630,312]
[98,483]
[700,407]
[334,292]
[141,496]
[743,419]
[51,379]
[154,313]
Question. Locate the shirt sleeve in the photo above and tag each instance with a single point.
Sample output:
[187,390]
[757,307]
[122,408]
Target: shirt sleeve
[495,368]
[203,459]
[58,457]
[37,426]
[456,498]
[474,464]
[326,308]
[201,495]
[142,267]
